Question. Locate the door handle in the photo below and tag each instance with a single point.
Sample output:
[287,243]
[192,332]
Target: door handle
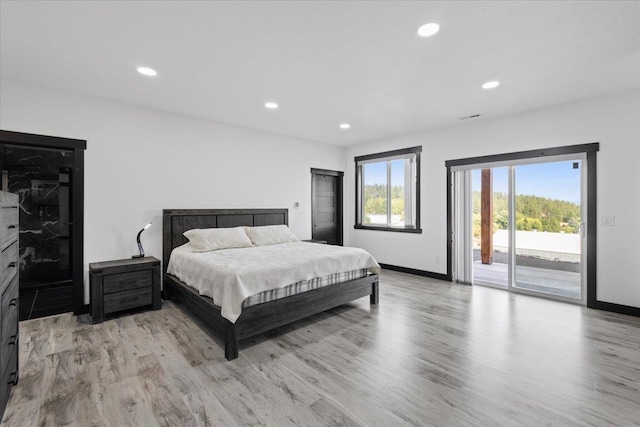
[581,229]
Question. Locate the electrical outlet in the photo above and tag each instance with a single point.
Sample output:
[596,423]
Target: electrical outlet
[608,221]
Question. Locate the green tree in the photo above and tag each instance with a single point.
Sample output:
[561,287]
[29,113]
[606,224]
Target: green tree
[534,213]
[375,205]
[529,224]
[397,207]
[501,220]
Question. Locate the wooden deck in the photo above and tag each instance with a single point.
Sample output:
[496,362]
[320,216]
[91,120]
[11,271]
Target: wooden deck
[432,353]
[534,274]
[556,282]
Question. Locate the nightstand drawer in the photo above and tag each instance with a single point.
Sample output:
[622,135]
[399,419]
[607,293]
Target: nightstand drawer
[9,221]
[127,281]
[9,264]
[128,299]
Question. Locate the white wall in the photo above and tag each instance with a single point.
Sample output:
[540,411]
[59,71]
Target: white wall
[613,121]
[139,161]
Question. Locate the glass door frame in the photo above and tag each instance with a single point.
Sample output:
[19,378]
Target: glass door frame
[76,188]
[512,264]
[588,184]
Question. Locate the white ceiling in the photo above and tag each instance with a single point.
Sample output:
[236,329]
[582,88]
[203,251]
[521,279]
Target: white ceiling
[329,62]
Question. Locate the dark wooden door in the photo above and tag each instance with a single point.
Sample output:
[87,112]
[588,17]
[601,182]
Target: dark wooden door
[326,205]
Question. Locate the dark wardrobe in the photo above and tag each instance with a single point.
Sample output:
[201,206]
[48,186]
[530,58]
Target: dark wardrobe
[44,178]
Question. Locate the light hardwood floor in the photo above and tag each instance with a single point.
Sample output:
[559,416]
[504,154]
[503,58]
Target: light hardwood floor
[431,353]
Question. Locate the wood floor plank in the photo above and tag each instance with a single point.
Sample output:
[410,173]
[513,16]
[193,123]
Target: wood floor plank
[22,414]
[430,354]
[89,396]
[166,405]
[358,401]
[206,408]
[330,415]
[251,387]
[192,384]
[59,337]
[125,404]
[58,404]
[193,344]
[361,385]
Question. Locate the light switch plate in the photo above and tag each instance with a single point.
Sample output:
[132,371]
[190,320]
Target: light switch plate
[608,221]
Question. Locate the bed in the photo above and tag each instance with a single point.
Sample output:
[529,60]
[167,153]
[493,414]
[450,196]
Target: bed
[261,316]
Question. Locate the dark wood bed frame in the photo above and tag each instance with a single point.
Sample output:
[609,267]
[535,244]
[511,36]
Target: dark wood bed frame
[258,318]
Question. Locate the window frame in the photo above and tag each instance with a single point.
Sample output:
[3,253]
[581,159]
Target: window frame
[359,205]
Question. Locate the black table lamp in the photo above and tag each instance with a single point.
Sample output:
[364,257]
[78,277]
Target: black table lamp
[141,255]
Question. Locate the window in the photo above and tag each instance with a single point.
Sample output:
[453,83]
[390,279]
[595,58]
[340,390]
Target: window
[388,191]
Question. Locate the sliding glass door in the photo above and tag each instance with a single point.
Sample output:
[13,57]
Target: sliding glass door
[548,227]
[525,225]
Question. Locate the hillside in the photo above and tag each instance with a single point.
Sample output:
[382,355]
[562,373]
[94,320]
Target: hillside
[532,213]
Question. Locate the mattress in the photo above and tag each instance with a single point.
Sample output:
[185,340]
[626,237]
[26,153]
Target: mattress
[304,286]
[240,277]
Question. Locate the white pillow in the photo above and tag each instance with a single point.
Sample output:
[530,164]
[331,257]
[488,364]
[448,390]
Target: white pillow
[211,239]
[270,235]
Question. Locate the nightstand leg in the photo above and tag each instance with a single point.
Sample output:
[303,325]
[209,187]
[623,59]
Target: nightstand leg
[155,289]
[96,300]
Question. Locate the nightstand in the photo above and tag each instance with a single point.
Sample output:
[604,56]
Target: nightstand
[123,285]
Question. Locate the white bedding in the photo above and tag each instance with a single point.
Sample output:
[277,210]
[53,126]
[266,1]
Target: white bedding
[229,276]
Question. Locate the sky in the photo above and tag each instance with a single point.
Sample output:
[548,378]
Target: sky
[376,173]
[557,180]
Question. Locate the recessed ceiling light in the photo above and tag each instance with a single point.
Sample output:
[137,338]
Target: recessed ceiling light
[271,105]
[428,29]
[147,71]
[491,85]
[345,126]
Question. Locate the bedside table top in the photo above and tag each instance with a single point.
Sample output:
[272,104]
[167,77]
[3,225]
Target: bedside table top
[123,262]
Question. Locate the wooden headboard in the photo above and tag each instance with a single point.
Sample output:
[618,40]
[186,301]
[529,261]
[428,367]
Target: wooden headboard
[177,221]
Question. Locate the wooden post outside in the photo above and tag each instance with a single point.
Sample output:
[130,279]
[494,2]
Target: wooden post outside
[486,217]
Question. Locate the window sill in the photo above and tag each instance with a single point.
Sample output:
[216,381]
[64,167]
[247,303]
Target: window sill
[383,228]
